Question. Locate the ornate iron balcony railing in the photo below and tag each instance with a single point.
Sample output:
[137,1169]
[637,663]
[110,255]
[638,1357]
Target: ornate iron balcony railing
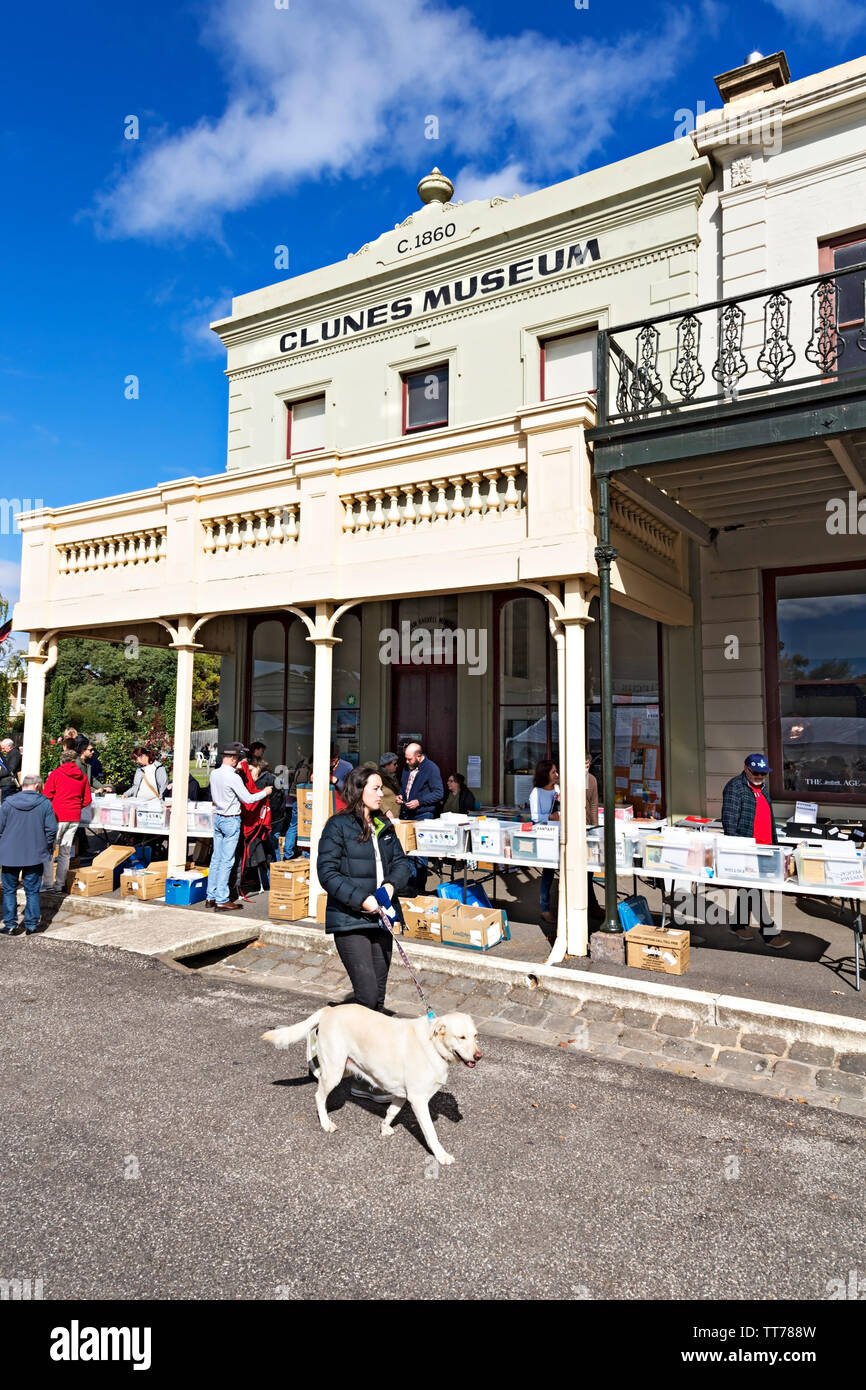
[753,344]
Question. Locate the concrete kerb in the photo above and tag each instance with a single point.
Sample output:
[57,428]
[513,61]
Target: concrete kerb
[700,1007]
[798,1025]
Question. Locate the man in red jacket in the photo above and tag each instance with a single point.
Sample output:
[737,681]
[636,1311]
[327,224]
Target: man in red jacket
[68,791]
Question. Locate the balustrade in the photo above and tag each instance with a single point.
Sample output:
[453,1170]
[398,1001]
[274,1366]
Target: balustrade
[131,548]
[257,529]
[806,331]
[474,497]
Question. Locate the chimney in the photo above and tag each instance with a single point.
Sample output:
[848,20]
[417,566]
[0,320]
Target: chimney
[758,74]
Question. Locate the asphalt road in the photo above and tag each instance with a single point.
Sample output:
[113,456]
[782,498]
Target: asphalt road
[155,1147]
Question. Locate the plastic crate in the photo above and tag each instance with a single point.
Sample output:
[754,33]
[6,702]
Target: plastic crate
[433,835]
[547,842]
[186,890]
[199,818]
[744,861]
[524,844]
[687,852]
[113,813]
[626,848]
[151,816]
[487,837]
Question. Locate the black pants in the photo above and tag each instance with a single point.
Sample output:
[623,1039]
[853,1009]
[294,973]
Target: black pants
[366,954]
[751,901]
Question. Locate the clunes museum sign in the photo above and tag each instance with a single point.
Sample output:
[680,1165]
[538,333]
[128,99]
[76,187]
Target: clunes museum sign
[523,272]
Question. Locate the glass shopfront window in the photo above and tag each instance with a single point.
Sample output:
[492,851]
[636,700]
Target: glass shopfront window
[346,689]
[527,722]
[637,731]
[816,682]
[281,683]
[268,688]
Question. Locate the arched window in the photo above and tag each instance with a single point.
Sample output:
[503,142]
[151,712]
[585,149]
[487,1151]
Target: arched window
[526,694]
[346,689]
[281,665]
[267,702]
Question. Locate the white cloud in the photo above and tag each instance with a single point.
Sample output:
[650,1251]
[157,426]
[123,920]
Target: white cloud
[195,327]
[508,181]
[325,89]
[10,581]
[839,20]
[46,434]
[820,607]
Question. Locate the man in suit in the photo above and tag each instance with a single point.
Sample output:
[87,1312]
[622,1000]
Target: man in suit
[421,788]
[421,794]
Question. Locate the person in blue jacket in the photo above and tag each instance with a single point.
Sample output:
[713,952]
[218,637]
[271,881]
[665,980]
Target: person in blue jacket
[28,829]
[421,789]
[421,795]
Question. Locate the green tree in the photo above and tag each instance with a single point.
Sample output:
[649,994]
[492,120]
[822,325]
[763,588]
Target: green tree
[12,668]
[123,733]
[54,721]
[149,675]
[56,716]
[206,691]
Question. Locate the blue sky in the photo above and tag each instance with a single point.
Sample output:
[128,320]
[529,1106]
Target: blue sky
[301,125]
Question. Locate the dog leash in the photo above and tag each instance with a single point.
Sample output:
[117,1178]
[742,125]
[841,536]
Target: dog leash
[386,922]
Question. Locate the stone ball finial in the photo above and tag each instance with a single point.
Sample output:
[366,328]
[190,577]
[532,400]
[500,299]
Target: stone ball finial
[435,188]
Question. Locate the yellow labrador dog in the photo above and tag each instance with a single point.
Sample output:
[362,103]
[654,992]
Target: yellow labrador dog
[406,1057]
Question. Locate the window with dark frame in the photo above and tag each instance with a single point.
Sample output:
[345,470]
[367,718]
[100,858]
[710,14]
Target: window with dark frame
[425,399]
[305,426]
[525,693]
[838,253]
[815,665]
[280,687]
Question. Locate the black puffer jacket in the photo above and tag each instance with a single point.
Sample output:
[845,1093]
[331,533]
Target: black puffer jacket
[346,867]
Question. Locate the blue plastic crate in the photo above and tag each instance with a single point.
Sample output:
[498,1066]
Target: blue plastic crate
[183,892]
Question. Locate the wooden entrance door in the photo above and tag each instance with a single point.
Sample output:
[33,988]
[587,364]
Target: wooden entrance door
[424,705]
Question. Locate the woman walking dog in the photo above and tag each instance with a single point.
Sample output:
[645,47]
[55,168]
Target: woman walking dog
[359,852]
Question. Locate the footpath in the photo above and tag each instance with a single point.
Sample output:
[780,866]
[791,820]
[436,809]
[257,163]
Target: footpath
[797,1055]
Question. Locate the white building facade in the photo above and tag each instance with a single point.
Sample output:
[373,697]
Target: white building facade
[408,474]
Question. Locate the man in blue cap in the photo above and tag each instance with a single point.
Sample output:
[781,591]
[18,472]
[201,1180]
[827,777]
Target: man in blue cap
[747,810]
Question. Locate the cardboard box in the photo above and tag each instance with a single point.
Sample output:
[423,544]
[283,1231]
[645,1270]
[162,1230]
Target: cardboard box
[288,907]
[664,950]
[305,810]
[144,883]
[103,875]
[423,918]
[321,908]
[290,871]
[479,928]
[405,831]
